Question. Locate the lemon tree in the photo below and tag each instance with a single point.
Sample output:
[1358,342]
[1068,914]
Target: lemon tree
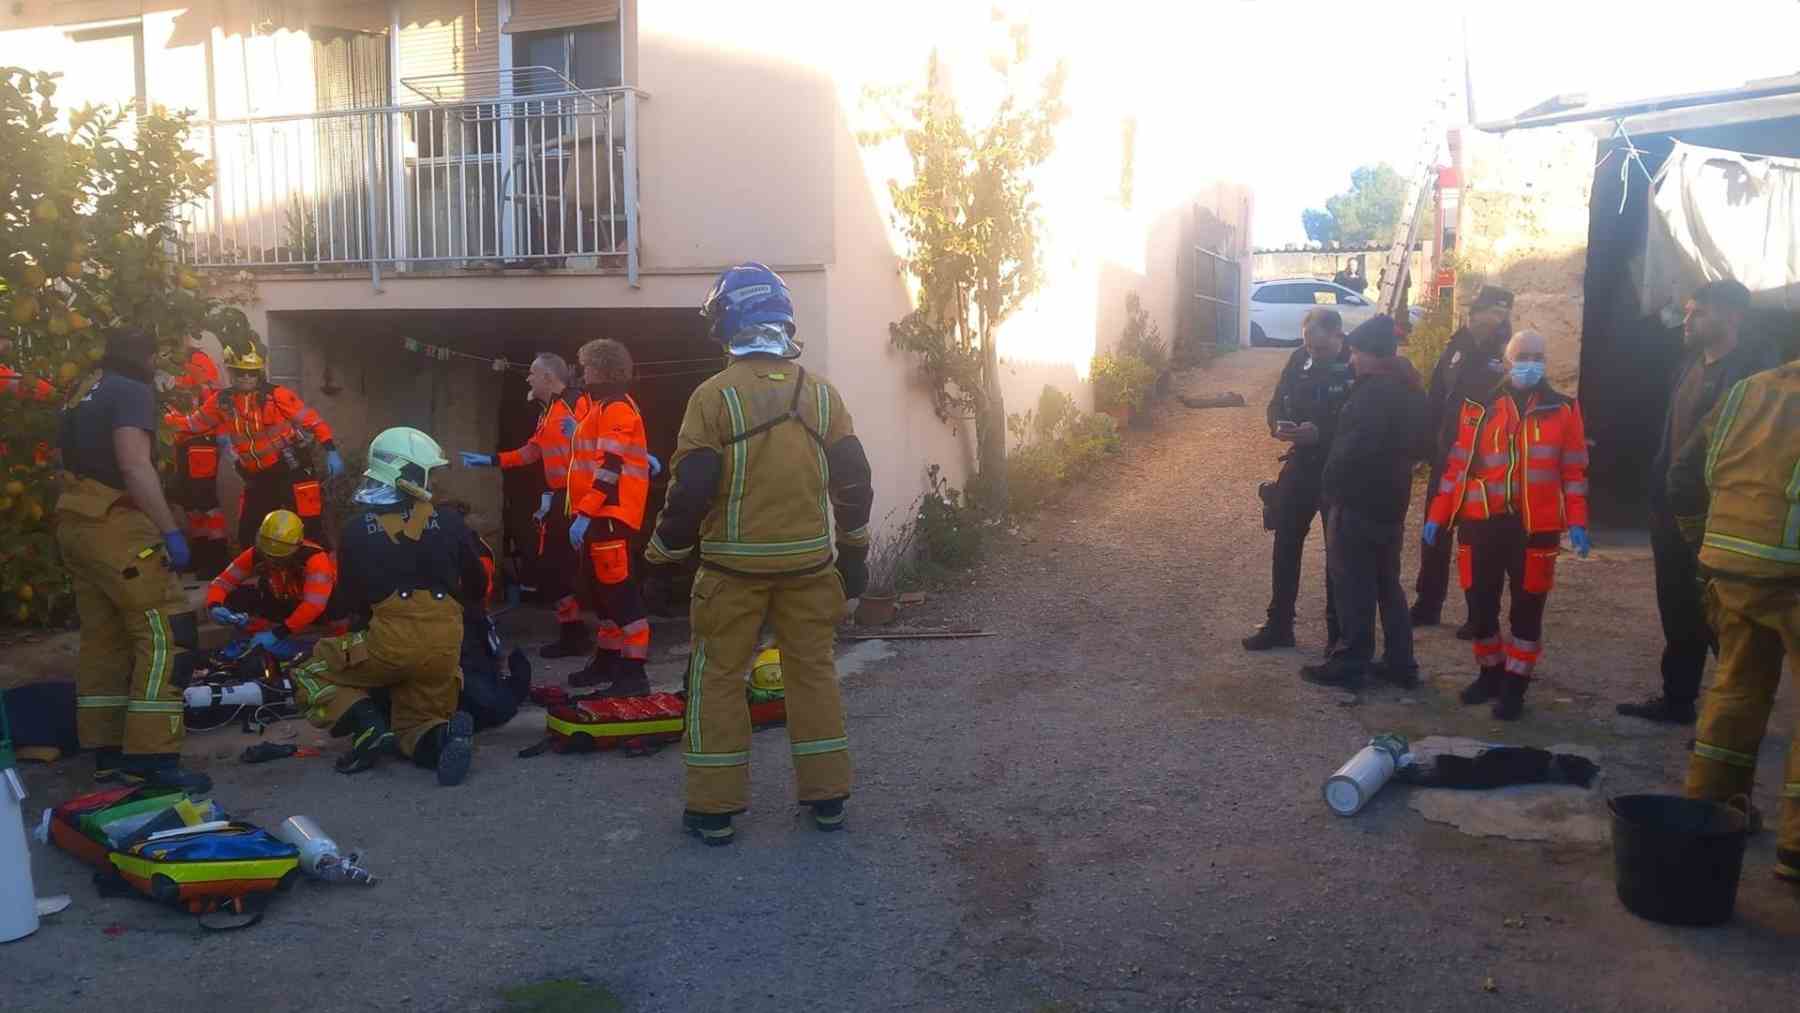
[89,240]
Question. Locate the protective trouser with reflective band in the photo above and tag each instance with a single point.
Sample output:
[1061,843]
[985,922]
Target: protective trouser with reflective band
[728,613]
[412,649]
[624,627]
[1759,628]
[1499,554]
[137,632]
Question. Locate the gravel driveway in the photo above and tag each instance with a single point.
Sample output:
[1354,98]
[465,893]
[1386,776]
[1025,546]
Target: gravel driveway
[1107,806]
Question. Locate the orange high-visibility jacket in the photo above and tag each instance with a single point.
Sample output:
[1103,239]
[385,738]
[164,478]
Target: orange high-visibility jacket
[307,578]
[261,423]
[1532,463]
[609,471]
[12,384]
[549,444]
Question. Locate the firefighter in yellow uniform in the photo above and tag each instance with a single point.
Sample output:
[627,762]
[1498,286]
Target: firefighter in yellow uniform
[771,487]
[121,546]
[407,571]
[1737,485]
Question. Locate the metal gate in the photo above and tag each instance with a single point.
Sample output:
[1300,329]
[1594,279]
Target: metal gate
[1214,284]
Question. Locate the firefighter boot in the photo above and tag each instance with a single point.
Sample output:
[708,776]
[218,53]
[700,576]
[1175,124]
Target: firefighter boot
[107,761]
[713,829]
[571,642]
[1269,636]
[449,749]
[1512,699]
[827,814]
[1485,687]
[1787,865]
[599,670]
[369,734]
[162,770]
[629,679]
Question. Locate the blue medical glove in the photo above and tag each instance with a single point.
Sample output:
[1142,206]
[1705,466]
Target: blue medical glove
[578,531]
[470,459]
[334,464]
[655,466]
[265,640]
[176,545]
[568,427]
[1431,532]
[225,617]
[1578,537]
[543,509]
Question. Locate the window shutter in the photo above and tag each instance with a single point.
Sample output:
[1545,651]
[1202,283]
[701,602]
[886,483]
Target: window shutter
[539,15]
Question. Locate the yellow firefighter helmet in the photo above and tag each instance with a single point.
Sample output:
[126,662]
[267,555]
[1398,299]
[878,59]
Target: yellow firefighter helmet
[280,534]
[251,361]
[765,672]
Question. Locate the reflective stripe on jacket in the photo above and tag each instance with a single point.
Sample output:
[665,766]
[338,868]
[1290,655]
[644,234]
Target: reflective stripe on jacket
[307,582]
[261,423]
[1532,463]
[548,444]
[609,464]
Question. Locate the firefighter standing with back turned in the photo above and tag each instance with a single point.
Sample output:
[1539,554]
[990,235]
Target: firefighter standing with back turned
[770,485]
[548,381]
[609,481]
[264,421]
[1734,488]
[406,571]
[121,546]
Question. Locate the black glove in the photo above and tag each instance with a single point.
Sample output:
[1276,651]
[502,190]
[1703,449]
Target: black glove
[853,569]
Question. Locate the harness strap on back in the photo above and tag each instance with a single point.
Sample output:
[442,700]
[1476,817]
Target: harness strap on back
[791,415]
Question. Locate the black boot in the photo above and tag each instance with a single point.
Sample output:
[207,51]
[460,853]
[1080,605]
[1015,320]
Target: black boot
[599,670]
[1485,687]
[449,749]
[1466,631]
[162,770]
[1269,636]
[1404,676]
[369,734]
[629,679]
[571,641]
[107,761]
[713,829]
[1339,672]
[1512,699]
[1661,710]
[828,814]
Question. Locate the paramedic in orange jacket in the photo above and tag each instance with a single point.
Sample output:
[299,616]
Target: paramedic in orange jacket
[277,588]
[556,571]
[609,481]
[1515,480]
[197,467]
[265,423]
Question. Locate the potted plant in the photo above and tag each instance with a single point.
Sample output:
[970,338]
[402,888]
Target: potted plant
[889,549]
[1122,385]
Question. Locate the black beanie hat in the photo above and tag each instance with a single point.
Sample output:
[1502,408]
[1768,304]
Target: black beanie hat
[1374,336]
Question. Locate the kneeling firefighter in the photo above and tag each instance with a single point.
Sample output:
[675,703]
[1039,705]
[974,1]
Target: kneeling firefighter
[771,485]
[411,569]
[278,587]
[121,547]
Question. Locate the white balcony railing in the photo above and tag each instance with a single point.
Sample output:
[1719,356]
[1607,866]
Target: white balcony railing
[530,180]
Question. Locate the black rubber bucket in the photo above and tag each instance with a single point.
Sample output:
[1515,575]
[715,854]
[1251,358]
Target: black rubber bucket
[1677,860]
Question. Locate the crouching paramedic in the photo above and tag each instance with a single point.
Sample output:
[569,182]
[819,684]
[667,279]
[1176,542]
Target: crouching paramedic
[278,587]
[121,546]
[560,404]
[770,485]
[411,569]
[1735,487]
[609,480]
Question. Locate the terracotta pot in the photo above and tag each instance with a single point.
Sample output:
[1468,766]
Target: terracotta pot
[1120,414]
[876,610]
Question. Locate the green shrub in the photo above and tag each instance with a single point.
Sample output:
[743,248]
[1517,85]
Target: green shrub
[1056,443]
[1429,339]
[1141,337]
[948,529]
[1122,381]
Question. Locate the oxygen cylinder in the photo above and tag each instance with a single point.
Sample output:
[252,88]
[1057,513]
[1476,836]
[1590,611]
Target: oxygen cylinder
[243,694]
[18,900]
[1357,781]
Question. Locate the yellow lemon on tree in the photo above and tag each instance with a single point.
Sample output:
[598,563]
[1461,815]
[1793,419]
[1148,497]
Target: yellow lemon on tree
[25,592]
[77,322]
[36,512]
[6,502]
[69,371]
[34,277]
[24,613]
[15,487]
[24,310]
[45,212]
[59,325]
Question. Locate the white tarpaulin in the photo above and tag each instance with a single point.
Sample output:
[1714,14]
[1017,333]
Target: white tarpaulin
[1723,214]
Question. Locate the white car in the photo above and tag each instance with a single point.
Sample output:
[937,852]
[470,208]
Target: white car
[1277,306]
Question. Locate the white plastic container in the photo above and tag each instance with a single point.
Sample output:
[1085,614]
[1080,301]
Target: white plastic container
[1357,781]
[243,694]
[18,899]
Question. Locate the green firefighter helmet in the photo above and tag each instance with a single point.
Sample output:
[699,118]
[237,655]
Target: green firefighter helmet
[403,458]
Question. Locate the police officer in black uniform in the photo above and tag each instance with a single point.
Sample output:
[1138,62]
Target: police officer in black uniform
[1303,413]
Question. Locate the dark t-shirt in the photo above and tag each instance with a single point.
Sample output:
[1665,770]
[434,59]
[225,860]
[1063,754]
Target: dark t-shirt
[372,566]
[116,402]
[1687,407]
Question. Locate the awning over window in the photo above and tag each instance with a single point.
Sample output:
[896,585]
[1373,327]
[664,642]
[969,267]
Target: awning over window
[542,15]
[1723,214]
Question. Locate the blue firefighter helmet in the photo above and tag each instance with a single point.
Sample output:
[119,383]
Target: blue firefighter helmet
[745,296]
